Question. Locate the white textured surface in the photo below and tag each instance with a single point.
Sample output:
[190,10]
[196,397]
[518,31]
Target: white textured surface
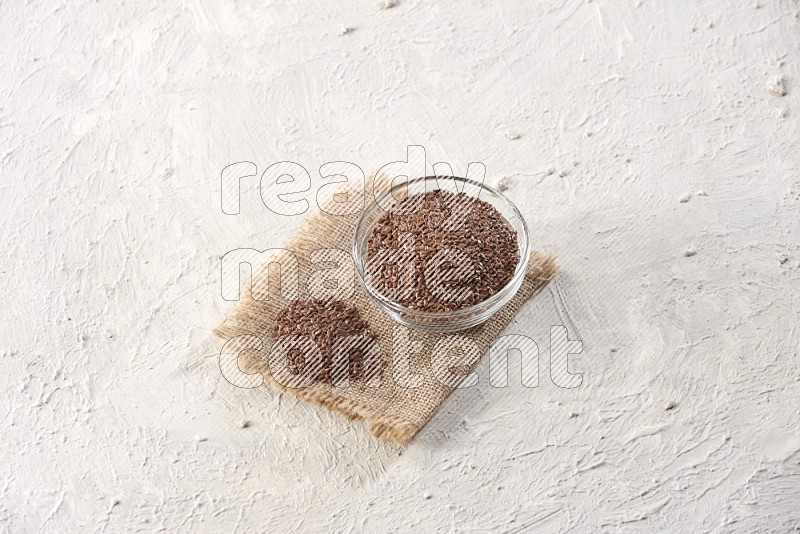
[116,119]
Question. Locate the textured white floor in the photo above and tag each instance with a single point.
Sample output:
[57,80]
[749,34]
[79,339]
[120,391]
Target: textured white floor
[116,119]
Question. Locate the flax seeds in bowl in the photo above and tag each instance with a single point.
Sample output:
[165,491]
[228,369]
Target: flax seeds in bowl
[438,259]
[480,260]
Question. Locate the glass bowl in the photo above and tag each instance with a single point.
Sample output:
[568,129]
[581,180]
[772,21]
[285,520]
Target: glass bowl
[452,320]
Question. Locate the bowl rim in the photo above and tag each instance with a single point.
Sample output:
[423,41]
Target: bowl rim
[481,307]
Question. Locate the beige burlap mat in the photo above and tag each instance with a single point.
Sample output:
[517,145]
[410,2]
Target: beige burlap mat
[393,411]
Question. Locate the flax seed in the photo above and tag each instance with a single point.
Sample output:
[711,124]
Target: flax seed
[326,323]
[483,249]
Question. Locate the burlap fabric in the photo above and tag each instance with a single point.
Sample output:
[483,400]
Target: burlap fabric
[393,410]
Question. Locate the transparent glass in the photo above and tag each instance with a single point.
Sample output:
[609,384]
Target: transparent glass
[445,321]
